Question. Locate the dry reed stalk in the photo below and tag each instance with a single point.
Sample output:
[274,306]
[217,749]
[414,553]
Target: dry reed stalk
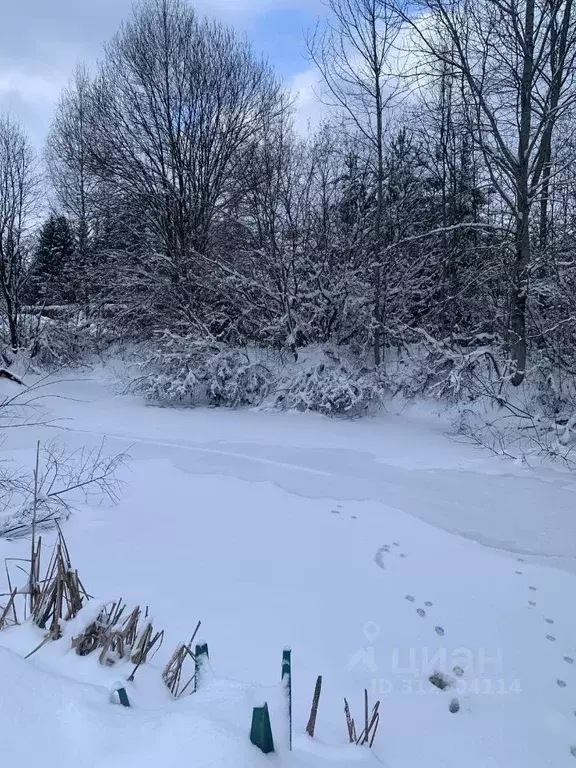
[34,553]
[34,580]
[172,674]
[120,639]
[371,722]
[112,649]
[59,596]
[130,627]
[6,609]
[145,644]
[349,723]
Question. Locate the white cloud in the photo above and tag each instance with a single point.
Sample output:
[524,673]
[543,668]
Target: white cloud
[34,86]
[31,99]
[245,7]
[306,87]
[41,41]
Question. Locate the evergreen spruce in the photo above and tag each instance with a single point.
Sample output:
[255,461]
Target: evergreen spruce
[52,278]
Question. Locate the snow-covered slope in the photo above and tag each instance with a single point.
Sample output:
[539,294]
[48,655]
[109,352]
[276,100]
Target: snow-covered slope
[52,721]
[280,529]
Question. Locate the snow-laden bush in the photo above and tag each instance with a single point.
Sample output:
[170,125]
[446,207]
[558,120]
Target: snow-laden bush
[536,419]
[330,388]
[164,388]
[185,371]
[448,370]
[473,378]
[60,344]
[172,368]
[232,380]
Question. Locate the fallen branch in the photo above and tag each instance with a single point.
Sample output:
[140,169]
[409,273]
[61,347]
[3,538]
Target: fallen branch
[5,374]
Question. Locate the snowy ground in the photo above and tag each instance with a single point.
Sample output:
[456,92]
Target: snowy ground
[379,550]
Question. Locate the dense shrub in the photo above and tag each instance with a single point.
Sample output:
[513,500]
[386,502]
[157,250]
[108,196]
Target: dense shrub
[232,380]
[329,388]
[61,345]
[185,371]
[171,367]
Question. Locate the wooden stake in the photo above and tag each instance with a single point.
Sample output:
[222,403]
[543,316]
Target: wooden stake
[314,709]
[365,715]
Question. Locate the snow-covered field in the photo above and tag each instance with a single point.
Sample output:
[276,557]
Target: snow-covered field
[379,550]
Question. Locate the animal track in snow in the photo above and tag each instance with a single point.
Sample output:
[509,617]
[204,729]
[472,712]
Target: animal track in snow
[379,558]
[410,598]
[532,588]
[549,621]
[568,659]
[421,612]
[551,637]
[458,671]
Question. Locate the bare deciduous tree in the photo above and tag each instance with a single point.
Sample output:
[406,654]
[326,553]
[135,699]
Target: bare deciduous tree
[175,103]
[516,60]
[67,160]
[355,55]
[18,198]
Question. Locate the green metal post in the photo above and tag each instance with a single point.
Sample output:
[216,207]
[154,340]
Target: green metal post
[261,730]
[287,680]
[201,657]
[123,696]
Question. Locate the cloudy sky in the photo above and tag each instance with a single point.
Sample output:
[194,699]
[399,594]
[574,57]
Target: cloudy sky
[41,41]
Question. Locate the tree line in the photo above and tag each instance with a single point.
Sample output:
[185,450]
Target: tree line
[435,204]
